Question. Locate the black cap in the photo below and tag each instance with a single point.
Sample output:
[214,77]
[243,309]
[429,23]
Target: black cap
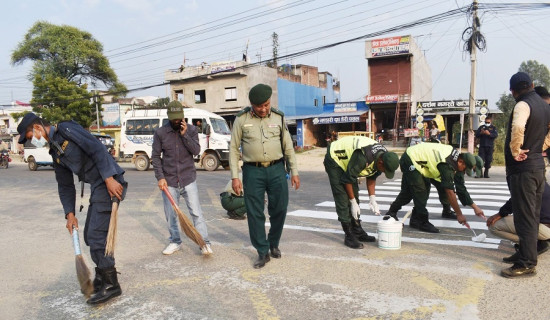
[520,80]
[28,119]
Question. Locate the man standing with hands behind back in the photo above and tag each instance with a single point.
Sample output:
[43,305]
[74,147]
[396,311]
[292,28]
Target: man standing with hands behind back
[487,134]
[266,144]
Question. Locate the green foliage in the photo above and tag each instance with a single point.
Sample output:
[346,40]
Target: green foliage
[58,99]
[66,60]
[160,103]
[539,72]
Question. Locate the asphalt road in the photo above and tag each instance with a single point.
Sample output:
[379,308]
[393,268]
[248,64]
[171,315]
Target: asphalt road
[444,276]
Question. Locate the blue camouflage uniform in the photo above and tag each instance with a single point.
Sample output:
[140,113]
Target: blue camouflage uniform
[75,151]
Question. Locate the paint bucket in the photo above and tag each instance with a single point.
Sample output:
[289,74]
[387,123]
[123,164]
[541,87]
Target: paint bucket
[389,232]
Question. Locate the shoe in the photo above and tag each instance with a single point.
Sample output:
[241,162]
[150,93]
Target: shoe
[486,173]
[350,240]
[448,214]
[110,287]
[512,259]
[542,246]
[425,226]
[235,216]
[206,250]
[98,282]
[391,214]
[171,248]
[517,271]
[261,261]
[275,252]
[359,233]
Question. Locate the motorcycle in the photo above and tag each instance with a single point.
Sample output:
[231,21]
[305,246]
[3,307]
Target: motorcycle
[4,159]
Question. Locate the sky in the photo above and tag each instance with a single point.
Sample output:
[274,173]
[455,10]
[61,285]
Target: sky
[144,38]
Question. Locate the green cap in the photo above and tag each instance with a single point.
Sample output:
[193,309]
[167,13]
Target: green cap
[391,163]
[470,162]
[175,110]
[479,165]
[259,94]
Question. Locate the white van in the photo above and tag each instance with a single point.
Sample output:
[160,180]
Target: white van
[138,126]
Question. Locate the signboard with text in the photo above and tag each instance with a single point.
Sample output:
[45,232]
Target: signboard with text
[345,107]
[389,46]
[383,98]
[449,105]
[340,119]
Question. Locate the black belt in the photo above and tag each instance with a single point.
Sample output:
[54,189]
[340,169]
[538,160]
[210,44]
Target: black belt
[264,164]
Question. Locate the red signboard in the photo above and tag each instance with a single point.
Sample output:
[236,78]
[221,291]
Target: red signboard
[383,98]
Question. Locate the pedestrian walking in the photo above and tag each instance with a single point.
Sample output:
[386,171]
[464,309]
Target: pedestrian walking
[174,145]
[266,147]
[76,151]
[346,160]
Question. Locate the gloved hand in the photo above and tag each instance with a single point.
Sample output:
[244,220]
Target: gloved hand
[373,205]
[355,210]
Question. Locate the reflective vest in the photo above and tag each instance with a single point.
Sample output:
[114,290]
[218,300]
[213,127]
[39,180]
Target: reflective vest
[342,149]
[426,156]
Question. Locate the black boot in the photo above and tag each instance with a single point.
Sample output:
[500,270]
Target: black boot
[359,233]
[486,173]
[350,240]
[109,289]
[448,213]
[98,281]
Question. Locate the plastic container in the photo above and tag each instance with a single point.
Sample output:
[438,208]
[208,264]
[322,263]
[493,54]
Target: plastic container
[389,232]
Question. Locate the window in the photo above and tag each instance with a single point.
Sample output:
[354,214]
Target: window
[200,96]
[231,94]
[200,123]
[179,95]
[141,126]
[315,102]
[324,100]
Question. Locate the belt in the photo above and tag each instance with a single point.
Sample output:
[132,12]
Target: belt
[264,164]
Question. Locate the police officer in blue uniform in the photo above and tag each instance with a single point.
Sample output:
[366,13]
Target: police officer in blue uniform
[76,151]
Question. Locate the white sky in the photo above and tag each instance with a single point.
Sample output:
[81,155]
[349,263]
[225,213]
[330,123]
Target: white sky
[512,37]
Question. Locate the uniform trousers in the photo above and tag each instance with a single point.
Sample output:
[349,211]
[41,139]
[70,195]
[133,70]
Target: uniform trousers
[505,228]
[257,181]
[526,190]
[97,223]
[231,202]
[486,153]
[415,187]
[341,199]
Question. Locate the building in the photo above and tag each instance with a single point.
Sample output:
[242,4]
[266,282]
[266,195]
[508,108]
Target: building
[8,126]
[300,91]
[398,76]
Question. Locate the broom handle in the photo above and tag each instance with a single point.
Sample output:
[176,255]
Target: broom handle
[170,198]
[76,242]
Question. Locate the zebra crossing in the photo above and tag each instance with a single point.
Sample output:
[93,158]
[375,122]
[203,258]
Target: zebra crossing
[488,195]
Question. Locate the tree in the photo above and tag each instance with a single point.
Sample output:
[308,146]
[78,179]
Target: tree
[66,60]
[160,103]
[539,72]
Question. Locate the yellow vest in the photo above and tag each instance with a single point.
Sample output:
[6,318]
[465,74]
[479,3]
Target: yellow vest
[342,149]
[426,157]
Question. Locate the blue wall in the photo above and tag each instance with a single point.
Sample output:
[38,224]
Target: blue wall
[296,99]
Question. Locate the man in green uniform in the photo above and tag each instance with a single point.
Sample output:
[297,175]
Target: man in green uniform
[439,162]
[266,146]
[233,203]
[461,191]
[346,160]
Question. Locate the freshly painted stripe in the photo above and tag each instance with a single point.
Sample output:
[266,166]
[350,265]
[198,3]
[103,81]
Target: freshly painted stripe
[489,243]
[331,215]
[381,199]
[433,193]
[391,188]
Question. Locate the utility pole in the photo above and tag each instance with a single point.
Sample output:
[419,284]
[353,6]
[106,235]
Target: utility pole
[473,78]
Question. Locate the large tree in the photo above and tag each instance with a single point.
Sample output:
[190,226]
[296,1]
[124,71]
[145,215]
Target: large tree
[66,60]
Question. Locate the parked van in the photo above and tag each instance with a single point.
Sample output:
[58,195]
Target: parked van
[138,126]
[37,157]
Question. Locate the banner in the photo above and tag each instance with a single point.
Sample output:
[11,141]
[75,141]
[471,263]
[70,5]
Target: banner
[390,46]
[449,105]
[383,98]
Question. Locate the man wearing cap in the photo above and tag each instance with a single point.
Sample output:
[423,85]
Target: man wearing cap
[266,146]
[487,134]
[543,93]
[174,145]
[423,162]
[76,151]
[461,191]
[346,160]
[526,137]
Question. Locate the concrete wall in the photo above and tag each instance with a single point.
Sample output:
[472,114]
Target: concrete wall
[422,76]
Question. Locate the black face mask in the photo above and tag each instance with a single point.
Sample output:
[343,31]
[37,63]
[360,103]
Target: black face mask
[175,125]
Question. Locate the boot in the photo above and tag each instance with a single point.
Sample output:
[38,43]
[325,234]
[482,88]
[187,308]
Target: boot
[109,289]
[359,233]
[486,173]
[98,281]
[350,240]
[448,213]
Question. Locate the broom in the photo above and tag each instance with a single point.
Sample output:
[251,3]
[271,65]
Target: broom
[111,234]
[82,271]
[185,223]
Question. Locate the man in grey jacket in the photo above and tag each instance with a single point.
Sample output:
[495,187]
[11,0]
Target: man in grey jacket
[178,142]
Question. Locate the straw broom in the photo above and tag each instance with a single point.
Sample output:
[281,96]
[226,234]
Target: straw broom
[185,223]
[82,271]
[111,234]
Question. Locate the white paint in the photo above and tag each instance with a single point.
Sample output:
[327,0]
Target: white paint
[435,211]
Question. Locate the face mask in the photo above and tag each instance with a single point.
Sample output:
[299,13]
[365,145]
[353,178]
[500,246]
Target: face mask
[39,143]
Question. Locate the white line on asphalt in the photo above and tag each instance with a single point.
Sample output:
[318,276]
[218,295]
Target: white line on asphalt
[380,199]
[433,193]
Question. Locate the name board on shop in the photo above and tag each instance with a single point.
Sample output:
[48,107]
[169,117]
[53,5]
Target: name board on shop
[339,119]
[382,98]
[345,107]
[390,46]
[449,105]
